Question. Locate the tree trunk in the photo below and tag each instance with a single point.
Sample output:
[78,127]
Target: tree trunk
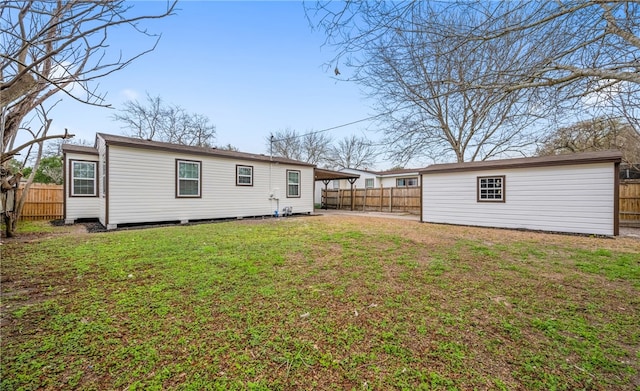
[9,224]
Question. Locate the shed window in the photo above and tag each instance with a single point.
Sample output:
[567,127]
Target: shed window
[83,179]
[188,182]
[244,176]
[368,183]
[293,183]
[491,189]
[406,182]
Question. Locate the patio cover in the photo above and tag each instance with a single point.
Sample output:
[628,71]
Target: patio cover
[320,174]
[327,176]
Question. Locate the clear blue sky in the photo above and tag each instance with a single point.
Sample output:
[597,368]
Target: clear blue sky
[250,67]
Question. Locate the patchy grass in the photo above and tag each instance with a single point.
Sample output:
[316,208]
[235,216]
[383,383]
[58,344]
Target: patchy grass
[320,302]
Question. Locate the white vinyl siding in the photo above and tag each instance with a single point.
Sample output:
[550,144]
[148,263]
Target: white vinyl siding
[147,194]
[576,198]
[103,184]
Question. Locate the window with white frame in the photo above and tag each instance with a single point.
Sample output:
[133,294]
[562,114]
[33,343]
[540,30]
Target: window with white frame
[406,182]
[336,184]
[368,183]
[244,175]
[491,188]
[188,183]
[293,184]
[83,178]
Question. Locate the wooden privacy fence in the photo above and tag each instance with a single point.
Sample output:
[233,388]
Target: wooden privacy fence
[44,202]
[630,202]
[390,199]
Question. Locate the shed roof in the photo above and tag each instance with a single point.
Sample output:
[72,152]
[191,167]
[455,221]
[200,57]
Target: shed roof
[79,149]
[555,160]
[130,142]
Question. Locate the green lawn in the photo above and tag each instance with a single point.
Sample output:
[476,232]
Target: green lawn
[319,303]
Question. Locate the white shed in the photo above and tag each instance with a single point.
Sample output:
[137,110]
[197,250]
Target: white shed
[575,193]
[125,180]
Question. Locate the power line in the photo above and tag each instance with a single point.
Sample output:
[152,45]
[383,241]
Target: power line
[331,128]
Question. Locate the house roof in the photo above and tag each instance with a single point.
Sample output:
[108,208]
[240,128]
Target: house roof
[79,149]
[130,142]
[401,171]
[555,160]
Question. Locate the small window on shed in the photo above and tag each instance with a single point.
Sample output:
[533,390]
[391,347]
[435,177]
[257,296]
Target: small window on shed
[491,189]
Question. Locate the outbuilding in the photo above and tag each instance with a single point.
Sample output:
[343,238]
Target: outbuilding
[576,193]
[123,181]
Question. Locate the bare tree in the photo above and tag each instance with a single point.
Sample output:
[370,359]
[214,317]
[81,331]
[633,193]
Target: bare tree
[228,147]
[563,50]
[160,121]
[426,87]
[56,47]
[597,134]
[352,152]
[578,39]
[311,147]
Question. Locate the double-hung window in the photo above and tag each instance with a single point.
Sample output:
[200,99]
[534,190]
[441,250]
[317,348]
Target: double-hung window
[368,183]
[188,182]
[293,184]
[491,189]
[83,179]
[244,175]
[406,182]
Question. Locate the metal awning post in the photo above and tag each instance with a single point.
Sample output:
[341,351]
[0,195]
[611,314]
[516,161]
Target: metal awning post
[353,197]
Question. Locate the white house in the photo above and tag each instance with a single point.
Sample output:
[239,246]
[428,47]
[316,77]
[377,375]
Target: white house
[125,180]
[575,193]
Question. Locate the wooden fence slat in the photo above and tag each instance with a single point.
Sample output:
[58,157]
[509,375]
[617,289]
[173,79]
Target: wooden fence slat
[392,199]
[629,201]
[44,202]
